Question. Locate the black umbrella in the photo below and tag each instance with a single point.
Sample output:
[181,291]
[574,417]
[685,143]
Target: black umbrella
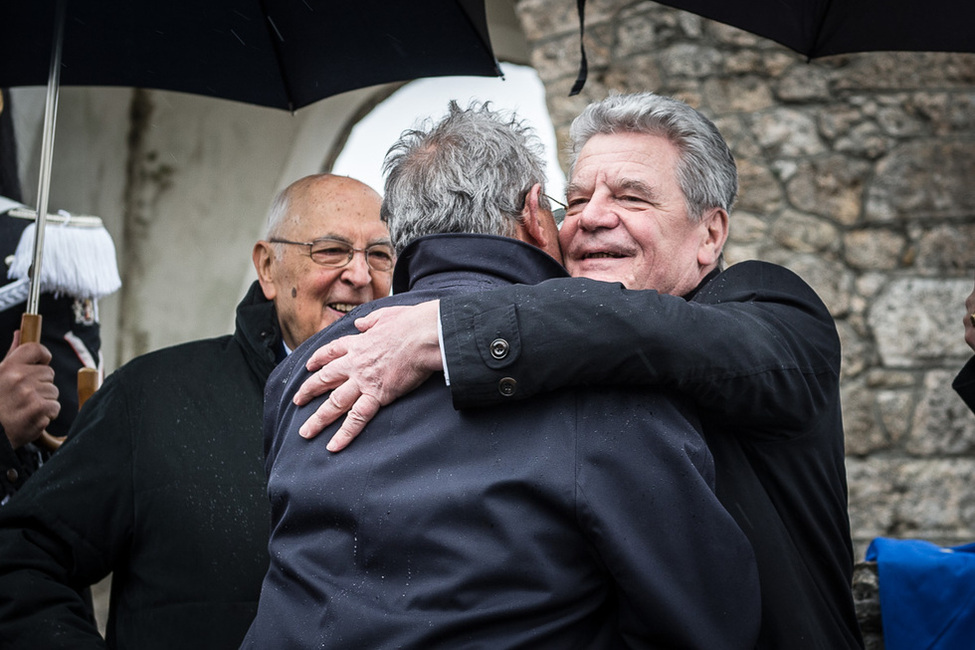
[824,27]
[278,53]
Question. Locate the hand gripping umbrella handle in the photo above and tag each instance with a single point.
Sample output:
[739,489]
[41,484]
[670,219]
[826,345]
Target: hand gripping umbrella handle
[88,378]
[88,382]
[30,332]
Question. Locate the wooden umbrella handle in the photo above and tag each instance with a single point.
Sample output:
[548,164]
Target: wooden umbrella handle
[88,383]
[88,378]
[30,328]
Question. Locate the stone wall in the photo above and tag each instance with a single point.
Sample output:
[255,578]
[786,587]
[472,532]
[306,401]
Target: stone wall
[866,596]
[858,172]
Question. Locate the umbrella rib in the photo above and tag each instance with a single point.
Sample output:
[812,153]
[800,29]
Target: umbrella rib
[815,46]
[485,40]
[47,154]
[276,39]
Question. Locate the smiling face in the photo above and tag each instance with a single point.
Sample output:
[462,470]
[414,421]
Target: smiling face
[627,219]
[307,296]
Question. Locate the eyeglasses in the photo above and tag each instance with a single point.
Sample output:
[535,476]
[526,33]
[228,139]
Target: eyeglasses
[335,253]
[558,213]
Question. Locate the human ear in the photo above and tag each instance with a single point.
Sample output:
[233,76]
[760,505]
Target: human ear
[263,256]
[715,225]
[539,224]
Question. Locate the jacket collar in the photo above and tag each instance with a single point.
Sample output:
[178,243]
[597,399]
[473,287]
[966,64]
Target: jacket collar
[258,331]
[707,278]
[484,259]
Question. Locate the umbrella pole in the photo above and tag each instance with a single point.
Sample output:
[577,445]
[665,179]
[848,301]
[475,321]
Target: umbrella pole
[30,327]
[30,322]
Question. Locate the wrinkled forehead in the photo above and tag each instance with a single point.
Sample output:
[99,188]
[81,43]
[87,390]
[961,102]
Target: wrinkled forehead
[350,217]
[624,160]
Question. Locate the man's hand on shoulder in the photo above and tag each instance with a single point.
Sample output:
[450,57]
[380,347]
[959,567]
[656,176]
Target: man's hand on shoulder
[397,350]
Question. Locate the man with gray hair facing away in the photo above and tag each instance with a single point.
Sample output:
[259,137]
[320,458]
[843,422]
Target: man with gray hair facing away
[585,519]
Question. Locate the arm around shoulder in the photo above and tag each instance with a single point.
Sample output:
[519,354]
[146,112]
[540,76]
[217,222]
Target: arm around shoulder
[755,342]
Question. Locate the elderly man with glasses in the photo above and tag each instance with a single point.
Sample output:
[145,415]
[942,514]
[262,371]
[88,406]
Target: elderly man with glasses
[161,481]
[310,267]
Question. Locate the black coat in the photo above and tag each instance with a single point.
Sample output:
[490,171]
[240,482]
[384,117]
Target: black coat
[161,483]
[758,352]
[581,520]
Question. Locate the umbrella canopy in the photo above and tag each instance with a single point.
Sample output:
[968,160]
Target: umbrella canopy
[823,27]
[278,53]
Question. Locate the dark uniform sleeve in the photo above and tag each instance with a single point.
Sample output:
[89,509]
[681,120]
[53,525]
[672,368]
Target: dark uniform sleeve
[964,384]
[65,528]
[755,343]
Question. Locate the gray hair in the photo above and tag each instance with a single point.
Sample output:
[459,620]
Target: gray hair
[706,171]
[468,173]
[280,208]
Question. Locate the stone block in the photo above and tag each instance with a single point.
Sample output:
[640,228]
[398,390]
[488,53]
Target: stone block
[541,19]
[866,599]
[895,409]
[948,249]
[831,187]
[942,425]
[876,71]
[557,59]
[872,497]
[862,432]
[635,74]
[788,133]
[865,140]
[838,118]
[921,180]
[805,233]
[857,353]
[747,228]
[642,28]
[689,60]
[916,498]
[739,94]
[874,249]
[759,189]
[803,84]
[917,320]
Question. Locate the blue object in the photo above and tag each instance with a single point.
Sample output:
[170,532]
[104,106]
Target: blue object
[927,594]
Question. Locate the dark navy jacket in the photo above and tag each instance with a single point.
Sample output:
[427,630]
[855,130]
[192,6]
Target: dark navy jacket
[757,351]
[584,519]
